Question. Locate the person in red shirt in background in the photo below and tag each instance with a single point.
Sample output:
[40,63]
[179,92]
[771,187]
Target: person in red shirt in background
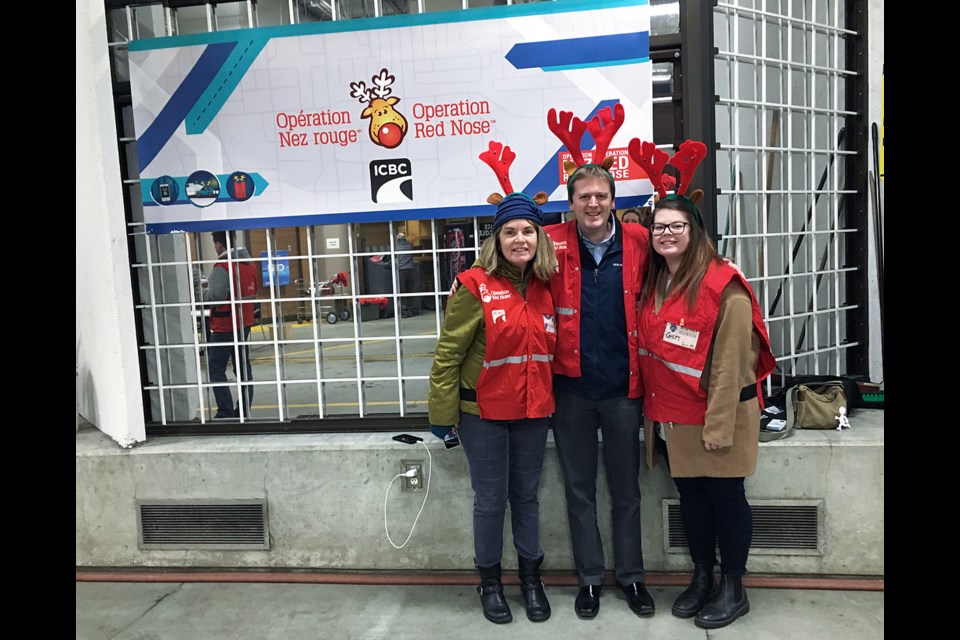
[230,323]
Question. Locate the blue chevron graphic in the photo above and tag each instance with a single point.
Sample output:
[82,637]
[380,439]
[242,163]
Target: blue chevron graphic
[146,184]
[572,53]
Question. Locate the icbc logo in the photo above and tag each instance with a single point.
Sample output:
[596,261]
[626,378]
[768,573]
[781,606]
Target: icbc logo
[391,180]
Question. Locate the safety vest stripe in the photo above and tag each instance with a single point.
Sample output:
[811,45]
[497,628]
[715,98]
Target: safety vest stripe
[516,360]
[679,368]
[564,311]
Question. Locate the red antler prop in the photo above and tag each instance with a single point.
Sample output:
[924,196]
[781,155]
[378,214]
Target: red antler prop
[500,163]
[687,159]
[603,127]
[651,160]
[569,129]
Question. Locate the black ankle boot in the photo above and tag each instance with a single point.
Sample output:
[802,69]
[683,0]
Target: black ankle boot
[689,603]
[495,607]
[538,609]
[727,603]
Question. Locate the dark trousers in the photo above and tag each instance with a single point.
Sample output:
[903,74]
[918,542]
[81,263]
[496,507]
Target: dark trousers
[217,358]
[575,425]
[505,460]
[408,284]
[716,510]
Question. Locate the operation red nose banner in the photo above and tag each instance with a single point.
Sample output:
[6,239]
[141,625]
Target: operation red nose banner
[381,119]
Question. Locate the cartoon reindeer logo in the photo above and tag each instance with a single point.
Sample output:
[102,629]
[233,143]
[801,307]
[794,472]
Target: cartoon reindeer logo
[387,125]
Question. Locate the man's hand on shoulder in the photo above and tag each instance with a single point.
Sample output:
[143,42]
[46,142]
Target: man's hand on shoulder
[735,267]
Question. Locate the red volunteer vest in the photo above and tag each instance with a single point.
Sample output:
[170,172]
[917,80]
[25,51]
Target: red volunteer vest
[565,287]
[674,345]
[517,377]
[245,285]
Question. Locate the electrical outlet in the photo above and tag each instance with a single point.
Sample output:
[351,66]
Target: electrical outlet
[416,482]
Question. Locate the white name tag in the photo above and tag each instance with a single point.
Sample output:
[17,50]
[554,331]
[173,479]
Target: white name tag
[549,323]
[681,336]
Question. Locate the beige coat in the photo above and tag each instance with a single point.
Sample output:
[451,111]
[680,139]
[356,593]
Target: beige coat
[731,365]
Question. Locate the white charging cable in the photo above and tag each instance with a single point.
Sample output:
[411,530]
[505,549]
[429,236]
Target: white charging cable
[408,474]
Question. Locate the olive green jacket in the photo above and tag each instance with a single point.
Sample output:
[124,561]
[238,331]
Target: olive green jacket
[458,360]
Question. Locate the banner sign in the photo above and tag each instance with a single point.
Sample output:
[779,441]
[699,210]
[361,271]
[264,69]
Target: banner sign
[383,118]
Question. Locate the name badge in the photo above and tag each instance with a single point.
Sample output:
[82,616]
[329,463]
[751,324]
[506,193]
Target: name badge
[549,323]
[681,336]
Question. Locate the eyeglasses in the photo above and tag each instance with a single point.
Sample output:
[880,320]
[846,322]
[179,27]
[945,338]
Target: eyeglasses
[676,228]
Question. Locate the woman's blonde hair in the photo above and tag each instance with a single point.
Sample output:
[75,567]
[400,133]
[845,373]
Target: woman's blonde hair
[543,265]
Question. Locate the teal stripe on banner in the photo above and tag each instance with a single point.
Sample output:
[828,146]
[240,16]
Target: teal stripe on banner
[223,84]
[594,65]
[386,22]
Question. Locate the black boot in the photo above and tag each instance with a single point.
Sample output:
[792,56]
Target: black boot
[689,603]
[727,603]
[495,607]
[538,609]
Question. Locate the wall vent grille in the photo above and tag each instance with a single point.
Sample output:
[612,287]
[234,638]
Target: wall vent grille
[202,524]
[780,527]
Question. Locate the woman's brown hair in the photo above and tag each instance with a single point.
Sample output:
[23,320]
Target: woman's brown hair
[694,262]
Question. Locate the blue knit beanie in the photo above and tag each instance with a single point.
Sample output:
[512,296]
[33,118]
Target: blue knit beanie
[517,206]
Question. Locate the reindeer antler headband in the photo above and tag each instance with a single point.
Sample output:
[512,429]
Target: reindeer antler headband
[570,130]
[515,204]
[686,160]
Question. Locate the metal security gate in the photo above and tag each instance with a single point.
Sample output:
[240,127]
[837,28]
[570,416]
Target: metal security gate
[788,170]
[791,176]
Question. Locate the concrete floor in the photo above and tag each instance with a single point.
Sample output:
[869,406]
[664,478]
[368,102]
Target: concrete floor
[257,611]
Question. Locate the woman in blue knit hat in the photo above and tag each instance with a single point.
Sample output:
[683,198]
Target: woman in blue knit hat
[492,378]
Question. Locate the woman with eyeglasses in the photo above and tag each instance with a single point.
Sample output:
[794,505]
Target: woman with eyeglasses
[704,349]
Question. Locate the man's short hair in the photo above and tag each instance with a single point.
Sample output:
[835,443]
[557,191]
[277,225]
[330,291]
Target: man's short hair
[221,237]
[590,171]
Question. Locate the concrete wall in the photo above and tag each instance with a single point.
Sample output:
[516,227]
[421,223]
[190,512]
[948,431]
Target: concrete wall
[325,500]
[108,370]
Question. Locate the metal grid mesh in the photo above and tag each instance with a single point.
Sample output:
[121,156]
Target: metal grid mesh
[306,363]
[782,135]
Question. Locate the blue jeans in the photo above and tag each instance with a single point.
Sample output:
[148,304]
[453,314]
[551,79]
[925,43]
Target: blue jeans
[575,425]
[715,510]
[217,358]
[505,459]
